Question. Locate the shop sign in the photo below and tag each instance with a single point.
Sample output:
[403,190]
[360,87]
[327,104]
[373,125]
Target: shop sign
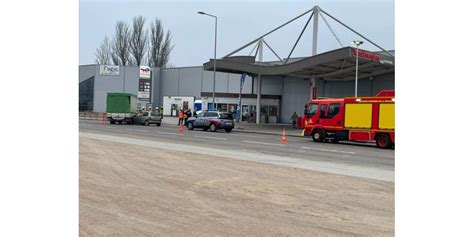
[106,70]
[145,72]
[366,54]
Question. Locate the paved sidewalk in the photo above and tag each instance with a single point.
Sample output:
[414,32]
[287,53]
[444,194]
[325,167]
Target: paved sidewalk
[264,128]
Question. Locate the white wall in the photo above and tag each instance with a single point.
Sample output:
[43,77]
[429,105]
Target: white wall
[169,100]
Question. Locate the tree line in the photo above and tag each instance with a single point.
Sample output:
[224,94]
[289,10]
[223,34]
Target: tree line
[136,45]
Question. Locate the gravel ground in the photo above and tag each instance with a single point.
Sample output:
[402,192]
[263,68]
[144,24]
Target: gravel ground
[130,190]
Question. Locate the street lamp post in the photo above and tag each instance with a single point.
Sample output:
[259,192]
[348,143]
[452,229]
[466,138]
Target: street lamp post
[215,49]
[357,43]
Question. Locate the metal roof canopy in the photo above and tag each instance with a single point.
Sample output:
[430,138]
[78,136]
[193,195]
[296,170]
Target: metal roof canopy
[335,65]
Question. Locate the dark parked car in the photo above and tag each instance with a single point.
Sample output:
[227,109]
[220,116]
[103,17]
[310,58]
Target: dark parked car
[211,120]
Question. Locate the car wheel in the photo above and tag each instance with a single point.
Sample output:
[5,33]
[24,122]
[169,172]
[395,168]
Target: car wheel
[228,129]
[204,129]
[112,122]
[383,141]
[317,135]
[190,126]
[158,124]
[213,128]
[147,123]
[120,122]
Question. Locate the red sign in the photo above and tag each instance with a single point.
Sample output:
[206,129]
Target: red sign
[366,54]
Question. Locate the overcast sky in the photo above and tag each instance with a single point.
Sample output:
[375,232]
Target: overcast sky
[239,22]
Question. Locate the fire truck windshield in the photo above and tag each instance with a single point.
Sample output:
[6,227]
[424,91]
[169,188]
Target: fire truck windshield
[313,108]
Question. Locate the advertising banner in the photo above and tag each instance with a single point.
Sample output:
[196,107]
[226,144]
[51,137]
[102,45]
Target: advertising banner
[145,72]
[106,70]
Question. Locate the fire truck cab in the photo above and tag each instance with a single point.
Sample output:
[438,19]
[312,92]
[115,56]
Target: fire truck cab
[356,119]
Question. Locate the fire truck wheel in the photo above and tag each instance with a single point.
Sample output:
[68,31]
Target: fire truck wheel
[383,141]
[318,135]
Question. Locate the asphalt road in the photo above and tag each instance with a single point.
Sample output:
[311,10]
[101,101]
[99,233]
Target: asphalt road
[364,155]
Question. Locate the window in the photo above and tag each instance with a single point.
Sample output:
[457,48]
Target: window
[210,114]
[272,110]
[226,116]
[333,110]
[313,108]
[322,111]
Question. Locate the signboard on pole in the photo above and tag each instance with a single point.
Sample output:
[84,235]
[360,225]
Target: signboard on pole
[143,95]
[106,70]
[144,89]
[145,72]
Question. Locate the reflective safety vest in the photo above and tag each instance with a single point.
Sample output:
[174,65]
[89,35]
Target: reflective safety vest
[181,114]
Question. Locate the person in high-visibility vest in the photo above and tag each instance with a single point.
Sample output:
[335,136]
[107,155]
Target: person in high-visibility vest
[181,116]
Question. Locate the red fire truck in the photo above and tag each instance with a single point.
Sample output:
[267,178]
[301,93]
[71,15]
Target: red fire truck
[355,119]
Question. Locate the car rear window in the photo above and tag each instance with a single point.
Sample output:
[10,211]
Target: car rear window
[226,116]
[155,114]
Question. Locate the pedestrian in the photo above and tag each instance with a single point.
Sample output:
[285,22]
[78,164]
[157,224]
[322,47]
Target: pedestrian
[189,115]
[180,116]
[194,113]
[293,119]
[185,116]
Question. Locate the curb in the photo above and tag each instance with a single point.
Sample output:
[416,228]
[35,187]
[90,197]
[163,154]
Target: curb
[266,133]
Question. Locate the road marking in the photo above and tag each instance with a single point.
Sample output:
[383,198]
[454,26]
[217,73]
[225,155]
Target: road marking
[107,127]
[88,125]
[215,138]
[169,133]
[329,150]
[138,130]
[264,143]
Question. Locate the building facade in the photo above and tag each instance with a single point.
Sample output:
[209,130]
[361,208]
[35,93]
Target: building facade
[175,88]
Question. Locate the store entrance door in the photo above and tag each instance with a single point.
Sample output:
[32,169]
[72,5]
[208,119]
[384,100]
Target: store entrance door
[245,113]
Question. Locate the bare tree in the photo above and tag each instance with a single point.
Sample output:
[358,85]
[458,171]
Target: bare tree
[160,45]
[138,41]
[103,54]
[166,49]
[121,44]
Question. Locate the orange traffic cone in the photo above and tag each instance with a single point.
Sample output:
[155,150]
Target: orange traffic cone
[283,136]
[101,121]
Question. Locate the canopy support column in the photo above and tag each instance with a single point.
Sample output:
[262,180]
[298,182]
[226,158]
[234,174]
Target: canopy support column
[259,82]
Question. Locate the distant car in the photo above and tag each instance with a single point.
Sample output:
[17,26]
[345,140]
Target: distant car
[211,120]
[148,118]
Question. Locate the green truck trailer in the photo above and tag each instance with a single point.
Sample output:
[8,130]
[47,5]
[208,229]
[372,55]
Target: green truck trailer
[121,107]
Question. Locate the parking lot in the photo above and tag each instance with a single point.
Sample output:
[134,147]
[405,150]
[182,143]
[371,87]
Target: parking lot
[143,180]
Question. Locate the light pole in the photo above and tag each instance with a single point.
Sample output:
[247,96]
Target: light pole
[215,49]
[357,43]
